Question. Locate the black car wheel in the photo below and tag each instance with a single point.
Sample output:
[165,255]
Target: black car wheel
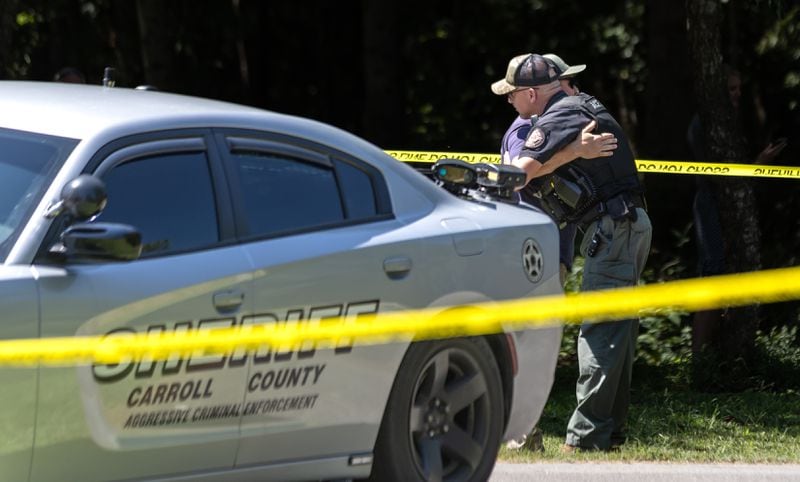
[444,419]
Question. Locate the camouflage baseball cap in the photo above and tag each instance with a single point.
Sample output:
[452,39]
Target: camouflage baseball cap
[564,71]
[528,70]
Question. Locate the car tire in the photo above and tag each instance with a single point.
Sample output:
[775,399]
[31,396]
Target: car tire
[444,418]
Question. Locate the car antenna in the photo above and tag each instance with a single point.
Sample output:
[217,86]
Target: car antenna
[108,77]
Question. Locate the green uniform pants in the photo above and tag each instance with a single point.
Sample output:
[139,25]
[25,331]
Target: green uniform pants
[606,350]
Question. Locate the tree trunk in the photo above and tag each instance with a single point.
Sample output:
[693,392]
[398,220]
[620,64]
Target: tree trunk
[384,93]
[241,52]
[8,26]
[735,198]
[157,43]
[668,82]
[666,117]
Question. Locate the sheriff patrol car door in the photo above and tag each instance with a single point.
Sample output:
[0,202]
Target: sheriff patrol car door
[141,417]
[17,396]
[312,221]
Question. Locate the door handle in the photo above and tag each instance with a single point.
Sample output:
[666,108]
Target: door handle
[228,300]
[397,267]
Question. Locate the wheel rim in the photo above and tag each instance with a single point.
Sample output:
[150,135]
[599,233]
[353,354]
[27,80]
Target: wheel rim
[450,416]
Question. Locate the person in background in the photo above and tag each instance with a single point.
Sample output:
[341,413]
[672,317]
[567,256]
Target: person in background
[707,227]
[566,73]
[70,75]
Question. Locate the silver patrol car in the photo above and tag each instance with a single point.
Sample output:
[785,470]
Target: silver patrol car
[128,211]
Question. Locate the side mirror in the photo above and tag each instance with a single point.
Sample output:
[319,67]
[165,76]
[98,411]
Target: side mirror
[84,197]
[99,241]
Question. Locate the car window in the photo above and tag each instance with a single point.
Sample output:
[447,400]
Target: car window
[169,198]
[357,190]
[283,194]
[27,161]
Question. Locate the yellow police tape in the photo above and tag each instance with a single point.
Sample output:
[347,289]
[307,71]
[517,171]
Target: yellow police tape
[642,165]
[597,306]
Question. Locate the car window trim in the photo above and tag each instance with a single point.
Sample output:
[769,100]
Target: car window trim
[252,238]
[249,144]
[149,149]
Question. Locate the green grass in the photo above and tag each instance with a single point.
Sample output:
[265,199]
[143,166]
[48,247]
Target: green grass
[669,422]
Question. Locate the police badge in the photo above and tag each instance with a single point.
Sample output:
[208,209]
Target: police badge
[535,138]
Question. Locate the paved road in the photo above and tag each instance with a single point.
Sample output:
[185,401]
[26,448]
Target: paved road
[651,472]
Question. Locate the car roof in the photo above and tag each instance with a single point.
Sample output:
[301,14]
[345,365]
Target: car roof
[79,110]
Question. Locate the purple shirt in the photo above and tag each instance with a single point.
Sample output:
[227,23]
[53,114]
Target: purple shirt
[513,143]
[514,139]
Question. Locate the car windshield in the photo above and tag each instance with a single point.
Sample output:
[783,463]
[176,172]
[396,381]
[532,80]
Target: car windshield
[27,162]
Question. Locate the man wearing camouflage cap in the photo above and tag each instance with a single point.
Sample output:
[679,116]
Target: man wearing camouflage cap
[515,87]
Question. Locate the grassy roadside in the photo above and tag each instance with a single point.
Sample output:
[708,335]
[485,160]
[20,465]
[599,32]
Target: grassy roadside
[671,423]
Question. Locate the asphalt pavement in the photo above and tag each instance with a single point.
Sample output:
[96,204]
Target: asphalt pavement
[650,472]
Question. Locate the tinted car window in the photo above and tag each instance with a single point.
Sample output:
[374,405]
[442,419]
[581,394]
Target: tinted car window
[359,196]
[282,194]
[168,198]
[27,162]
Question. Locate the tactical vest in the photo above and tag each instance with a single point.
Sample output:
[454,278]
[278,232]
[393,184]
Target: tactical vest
[609,175]
[580,187]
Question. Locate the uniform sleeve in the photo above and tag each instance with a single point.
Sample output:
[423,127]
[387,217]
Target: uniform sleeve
[554,130]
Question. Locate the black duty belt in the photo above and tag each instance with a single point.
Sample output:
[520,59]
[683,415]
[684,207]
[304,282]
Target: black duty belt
[619,206]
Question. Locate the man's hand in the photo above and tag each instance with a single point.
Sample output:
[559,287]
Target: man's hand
[586,146]
[591,146]
[771,151]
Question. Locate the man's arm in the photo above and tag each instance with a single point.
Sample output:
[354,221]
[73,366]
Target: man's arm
[586,146]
